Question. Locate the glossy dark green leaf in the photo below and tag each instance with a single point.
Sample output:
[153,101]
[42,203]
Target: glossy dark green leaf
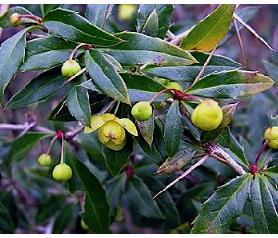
[11,54]
[207,33]
[46,53]
[227,140]
[140,95]
[146,129]
[6,222]
[79,105]
[96,208]
[231,84]
[105,76]
[173,129]
[272,172]
[140,199]
[117,160]
[141,49]
[45,8]
[5,17]
[21,146]
[164,13]
[223,206]
[263,207]
[38,89]
[95,13]
[151,25]
[72,26]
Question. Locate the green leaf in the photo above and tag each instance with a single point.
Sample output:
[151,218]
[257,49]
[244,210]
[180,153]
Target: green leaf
[140,199]
[164,13]
[227,140]
[223,206]
[105,76]
[173,129]
[5,17]
[47,52]
[272,70]
[45,8]
[21,146]
[74,27]
[146,129]
[117,160]
[231,84]
[272,172]
[11,54]
[95,13]
[151,26]
[38,89]
[6,222]
[210,31]
[96,208]
[139,49]
[263,207]
[79,105]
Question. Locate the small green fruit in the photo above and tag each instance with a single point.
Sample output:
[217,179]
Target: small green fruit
[44,160]
[207,115]
[142,111]
[112,135]
[271,135]
[174,85]
[15,19]
[62,172]
[70,68]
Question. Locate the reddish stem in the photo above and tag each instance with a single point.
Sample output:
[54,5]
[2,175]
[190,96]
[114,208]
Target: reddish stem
[262,150]
[32,17]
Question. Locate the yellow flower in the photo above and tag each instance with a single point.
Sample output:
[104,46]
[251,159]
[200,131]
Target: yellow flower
[111,130]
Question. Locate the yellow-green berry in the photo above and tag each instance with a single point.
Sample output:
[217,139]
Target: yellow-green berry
[173,85]
[15,19]
[62,172]
[44,160]
[142,111]
[271,135]
[70,68]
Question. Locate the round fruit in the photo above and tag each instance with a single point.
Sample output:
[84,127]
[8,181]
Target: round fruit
[62,172]
[70,68]
[44,160]
[142,111]
[174,85]
[15,19]
[207,115]
[126,11]
[112,135]
[271,135]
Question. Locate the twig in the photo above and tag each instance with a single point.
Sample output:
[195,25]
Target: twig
[105,16]
[75,49]
[204,66]
[262,150]
[243,58]
[19,127]
[51,144]
[108,107]
[200,162]
[71,134]
[249,28]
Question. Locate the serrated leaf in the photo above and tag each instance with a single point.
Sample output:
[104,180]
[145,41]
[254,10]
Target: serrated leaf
[263,207]
[105,76]
[74,27]
[223,206]
[231,84]
[209,31]
[5,17]
[95,13]
[117,160]
[139,49]
[173,129]
[96,209]
[38,89]
[11,54]
[140,199]
[164,13]
[21,146]
[79,105]
[146,129]
[47,52]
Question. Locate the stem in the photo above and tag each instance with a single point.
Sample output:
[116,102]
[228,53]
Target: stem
[71,134]
[243,58]
[105,16]
[107,108]
[75,49]
[200,162]
[32,17]
[51,144]
[117,108]
[261,151]
[75,76]
[19,127]
[159,93]
[62,151]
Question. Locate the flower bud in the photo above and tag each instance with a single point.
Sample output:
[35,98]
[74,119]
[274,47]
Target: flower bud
[44,160]
[271,135]
[142,111]
[62,172]
[112,135]
[70,68]
[15,19]
[207,115]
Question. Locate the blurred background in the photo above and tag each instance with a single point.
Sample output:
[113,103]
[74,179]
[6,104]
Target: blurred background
[29,200]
